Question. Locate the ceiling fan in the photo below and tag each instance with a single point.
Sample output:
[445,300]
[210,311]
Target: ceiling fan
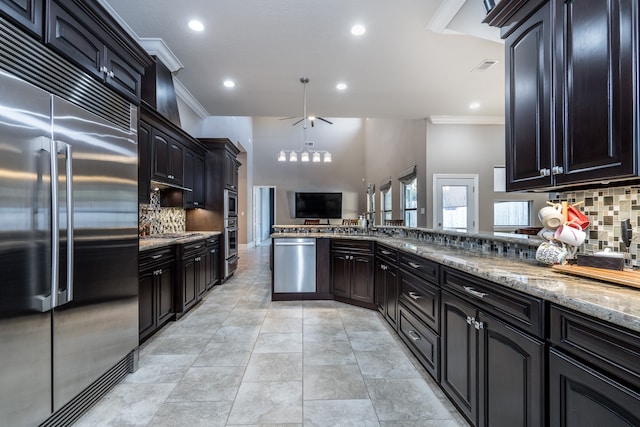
[304,81]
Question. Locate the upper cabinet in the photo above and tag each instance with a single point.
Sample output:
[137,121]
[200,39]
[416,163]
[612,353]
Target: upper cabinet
[167,154]
[86,34]
[194,179]
[26,13]
[571,82]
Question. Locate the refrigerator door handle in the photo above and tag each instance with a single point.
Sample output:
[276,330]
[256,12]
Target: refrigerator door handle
[55,228]
[66,295]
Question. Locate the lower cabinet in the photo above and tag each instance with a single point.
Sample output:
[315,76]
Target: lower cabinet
[594,374]
[193,276]
[492,370]
[352,270]
[212,262]
[386,284]
[421,340]
[156,284]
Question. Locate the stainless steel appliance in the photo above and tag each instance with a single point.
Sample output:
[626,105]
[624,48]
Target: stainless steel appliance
[68,251]
[230,204]
[230,245]
[294,265]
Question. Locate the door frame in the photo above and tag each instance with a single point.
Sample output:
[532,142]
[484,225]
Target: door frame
[476,198]
[256,207]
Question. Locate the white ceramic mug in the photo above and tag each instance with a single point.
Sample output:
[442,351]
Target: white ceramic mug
[547,234]
[551,253]
[551,217]
[571,234]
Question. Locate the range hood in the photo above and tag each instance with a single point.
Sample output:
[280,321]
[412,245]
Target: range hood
[160,185]
[159,92]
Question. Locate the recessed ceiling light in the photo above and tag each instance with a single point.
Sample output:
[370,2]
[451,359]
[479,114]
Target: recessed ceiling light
[474,105]
[358,30]
[229,83]
[196,25]
[341,86]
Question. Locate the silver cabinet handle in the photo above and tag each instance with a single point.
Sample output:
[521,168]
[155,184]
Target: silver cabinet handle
[156,256]
[414,296]
[197,259]
[414,265]
[195,203]
[557,170]
[470,320]
[478,325]
[545,172]
[112,74]
[197,247]
[385,252]
[475,293]
[414,335]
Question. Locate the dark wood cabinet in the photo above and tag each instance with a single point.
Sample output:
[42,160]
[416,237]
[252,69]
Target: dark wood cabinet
[73,29]
[167,158]
[26,13]
[212,262]
[571,85]
[492,351]
[580,396]
[193,276]
[144,163]
[421,340]
[156,288]
[231,166]
[221,171]
[352,271]
[194,179]
[386,283]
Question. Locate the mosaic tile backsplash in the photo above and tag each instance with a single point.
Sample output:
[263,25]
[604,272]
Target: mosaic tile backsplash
[606,208]
[161,220]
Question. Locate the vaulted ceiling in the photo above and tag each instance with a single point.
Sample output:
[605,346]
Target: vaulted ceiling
[416,58]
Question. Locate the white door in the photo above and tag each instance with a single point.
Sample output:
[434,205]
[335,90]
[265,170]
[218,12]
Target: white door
[263,212]
[455,204]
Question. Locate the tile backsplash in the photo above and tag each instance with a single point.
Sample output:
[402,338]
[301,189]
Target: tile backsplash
[606,208]
[161,220]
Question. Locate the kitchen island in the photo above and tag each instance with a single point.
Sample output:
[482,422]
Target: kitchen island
[490,324]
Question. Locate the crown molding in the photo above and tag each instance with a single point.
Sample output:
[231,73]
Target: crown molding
[467,120]
[158,48]
[186,97]
[444,15]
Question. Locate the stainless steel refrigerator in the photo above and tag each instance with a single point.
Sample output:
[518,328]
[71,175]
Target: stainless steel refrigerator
[68,250]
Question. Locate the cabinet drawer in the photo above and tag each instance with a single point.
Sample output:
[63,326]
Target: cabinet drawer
[421,340]
[154,257]
[212,241]
[422,297]
[387,253]
[611,348]
[520,310]
[421,267]
[352,245]
[192,248]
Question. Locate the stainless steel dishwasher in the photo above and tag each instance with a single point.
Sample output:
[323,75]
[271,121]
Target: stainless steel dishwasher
[294,265]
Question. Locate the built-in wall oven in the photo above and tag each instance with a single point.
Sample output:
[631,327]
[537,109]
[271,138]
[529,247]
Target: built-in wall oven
[230,203]
[230,245]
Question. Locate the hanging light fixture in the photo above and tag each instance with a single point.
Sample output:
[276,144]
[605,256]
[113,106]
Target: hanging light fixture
[306,152]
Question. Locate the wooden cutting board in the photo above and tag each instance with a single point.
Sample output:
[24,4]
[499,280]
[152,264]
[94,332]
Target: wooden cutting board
[624,277]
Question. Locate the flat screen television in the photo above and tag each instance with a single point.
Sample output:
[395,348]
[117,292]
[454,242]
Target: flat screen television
[318,205]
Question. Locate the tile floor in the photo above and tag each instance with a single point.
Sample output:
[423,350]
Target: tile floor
[239,359]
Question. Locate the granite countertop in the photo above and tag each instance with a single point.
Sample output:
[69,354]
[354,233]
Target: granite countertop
[160,241]
[617,304]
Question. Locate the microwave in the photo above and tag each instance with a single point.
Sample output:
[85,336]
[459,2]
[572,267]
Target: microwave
[230,203]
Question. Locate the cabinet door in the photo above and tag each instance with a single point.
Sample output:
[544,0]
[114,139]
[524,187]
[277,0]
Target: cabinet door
[458,361]
[392,292]
[380,286]
[144,163]
[68,34]
[160,165]
[189,282]
[146,304]
[27,13]
[194,179]
[362,278]
[580,396]
[165,293]
[201,266]
[213,266]
[176,153]
[512,369]
[121,76]
[596,55]
[528,103]
[340,274]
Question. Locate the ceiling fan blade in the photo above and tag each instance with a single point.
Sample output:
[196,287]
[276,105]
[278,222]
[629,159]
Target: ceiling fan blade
[324,120]
[312,125]
[289,118]
[297,122]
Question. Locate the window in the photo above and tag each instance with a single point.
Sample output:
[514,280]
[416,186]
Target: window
[410,192]
[408,179]
[386,207]
[455,201]
[511,213]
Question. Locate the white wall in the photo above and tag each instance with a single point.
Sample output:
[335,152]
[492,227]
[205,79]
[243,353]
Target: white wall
[471,149]
[344,139]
